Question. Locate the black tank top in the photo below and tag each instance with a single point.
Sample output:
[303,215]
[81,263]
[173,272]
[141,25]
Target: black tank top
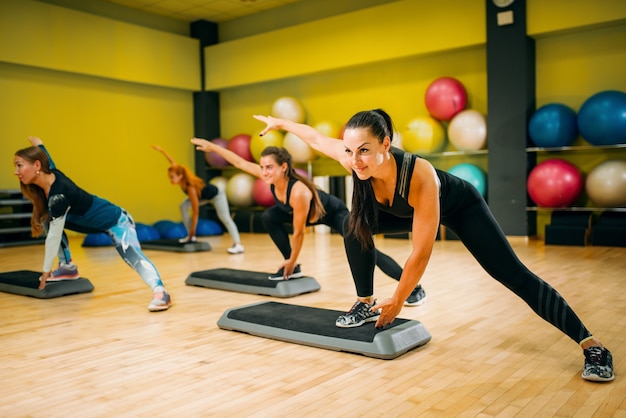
[452,190]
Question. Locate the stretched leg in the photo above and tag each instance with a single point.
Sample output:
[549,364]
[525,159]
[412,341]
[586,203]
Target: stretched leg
[479,231]
[185,208]
[274,219]
[124,237]
[220,202]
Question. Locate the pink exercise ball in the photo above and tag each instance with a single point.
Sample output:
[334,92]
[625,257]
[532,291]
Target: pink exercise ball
[213,158]
[606,184]
[262,194]
[240,145]
[555,183]
[445,97]
[468,130]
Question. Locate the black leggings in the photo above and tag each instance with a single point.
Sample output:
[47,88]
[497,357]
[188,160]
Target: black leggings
[471,220]
[276,220]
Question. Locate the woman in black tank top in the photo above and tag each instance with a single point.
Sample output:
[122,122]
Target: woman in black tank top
[298,204]
[394,192]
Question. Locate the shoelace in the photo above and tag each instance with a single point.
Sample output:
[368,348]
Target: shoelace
[594,356]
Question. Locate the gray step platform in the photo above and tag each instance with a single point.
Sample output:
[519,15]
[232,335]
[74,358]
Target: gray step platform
[254,282]
[26,283]
[316,327]
[174,245]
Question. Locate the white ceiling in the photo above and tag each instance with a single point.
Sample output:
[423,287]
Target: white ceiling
[212,10]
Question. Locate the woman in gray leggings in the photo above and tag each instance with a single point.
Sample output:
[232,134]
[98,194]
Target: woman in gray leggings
[199,193]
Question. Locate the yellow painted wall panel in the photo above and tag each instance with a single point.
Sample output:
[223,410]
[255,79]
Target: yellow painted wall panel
[100,132]
[389,32]
[48,36]
[549,16]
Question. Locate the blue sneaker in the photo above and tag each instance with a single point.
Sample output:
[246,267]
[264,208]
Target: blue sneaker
[161,301]
[65,271]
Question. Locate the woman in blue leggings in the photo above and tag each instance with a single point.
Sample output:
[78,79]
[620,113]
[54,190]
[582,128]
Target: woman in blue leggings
[58,203]
[299,203]
[396,191]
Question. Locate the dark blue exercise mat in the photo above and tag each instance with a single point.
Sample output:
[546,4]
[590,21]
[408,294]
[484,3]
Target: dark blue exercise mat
[174,245]
[254,282]
[26,283]
[316,327]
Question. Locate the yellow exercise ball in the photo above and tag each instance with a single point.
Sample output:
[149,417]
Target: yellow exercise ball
[259,143]
[424,135]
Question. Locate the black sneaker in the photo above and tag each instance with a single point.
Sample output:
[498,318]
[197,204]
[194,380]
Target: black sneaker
[279,275]
[359,314]
[417,297]
[598,365]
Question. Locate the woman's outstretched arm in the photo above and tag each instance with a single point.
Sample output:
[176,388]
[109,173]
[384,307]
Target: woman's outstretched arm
[236,160]
[332,147]
[162,151]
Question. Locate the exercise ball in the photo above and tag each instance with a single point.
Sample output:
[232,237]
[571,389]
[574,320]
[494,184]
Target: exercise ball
[602,118]
[304,173]
[472,174]
[300,151]
[553,125]
[259,143]
[606,184]
[175,231]
[162,226]
[288,108]
[261,194]
[97,239]
[213,158]
[424,135]
[239,190]
[467,130]
[397,140]
[240,145]
[445,97]
[146,232]
[329,128]
[219,182]
[555,183]
[208,227]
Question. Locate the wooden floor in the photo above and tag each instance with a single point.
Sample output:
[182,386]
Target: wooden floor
[104,355]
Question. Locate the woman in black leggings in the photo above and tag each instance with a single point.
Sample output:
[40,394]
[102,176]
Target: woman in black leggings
[300,204]
[395,191]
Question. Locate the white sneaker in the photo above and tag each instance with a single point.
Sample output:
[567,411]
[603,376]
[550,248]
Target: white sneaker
[236,249]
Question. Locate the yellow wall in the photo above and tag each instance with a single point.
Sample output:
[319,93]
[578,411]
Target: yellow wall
[99,93]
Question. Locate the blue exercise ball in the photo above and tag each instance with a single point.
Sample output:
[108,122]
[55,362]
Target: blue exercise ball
[208,227]
[97,239]
[553,125]
[602,118]
[175,231]
[162,226]
[473,174]
[146,232]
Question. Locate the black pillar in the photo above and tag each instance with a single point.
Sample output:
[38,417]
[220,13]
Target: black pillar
[206,105]
[510,103]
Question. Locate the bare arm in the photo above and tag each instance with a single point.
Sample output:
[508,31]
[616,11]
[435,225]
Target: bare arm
[332,147]
[300,201]
[237,161]
[424,198]
[162,151]
[35,141]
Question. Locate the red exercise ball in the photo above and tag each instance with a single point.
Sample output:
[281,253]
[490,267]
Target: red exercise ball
[240,145]
[555,183]
[261,194]
[445,97]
